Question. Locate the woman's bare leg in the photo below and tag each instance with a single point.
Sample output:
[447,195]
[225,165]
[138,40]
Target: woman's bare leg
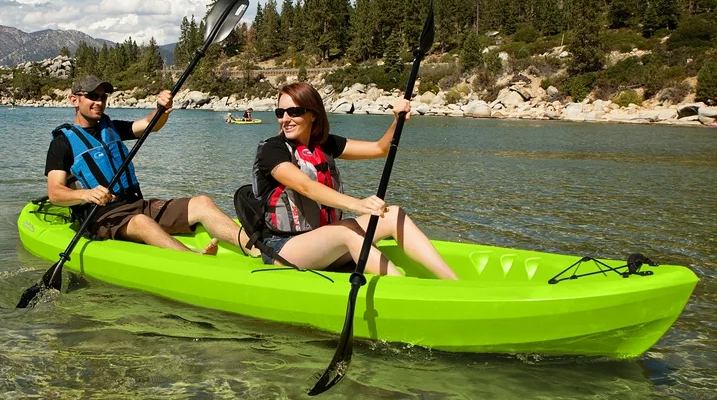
[323,246]
[397,224]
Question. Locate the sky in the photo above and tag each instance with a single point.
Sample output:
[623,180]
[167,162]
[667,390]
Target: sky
[114,20]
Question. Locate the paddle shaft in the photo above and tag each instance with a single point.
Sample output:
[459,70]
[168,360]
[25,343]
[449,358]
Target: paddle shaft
[387,168]
[65,255]
[342,356]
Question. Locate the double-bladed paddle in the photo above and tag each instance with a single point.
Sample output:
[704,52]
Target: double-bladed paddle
[342,357]
[221,20]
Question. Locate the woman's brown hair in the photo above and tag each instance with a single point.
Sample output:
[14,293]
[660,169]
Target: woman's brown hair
[304,95]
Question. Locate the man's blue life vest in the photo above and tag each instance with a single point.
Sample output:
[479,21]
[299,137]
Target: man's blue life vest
[96,161]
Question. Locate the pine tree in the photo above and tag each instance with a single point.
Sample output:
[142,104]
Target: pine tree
[650,21]
[392,56]
[619,14]
[182,53]
[361,32]
[268,44]
[707,83]
[151,59]
[586,44]
[298,27]
[490,15]
[509,16]
[85,60]
[327,27]
[668,12]
[340,17]
[471,55]
[103,60]
[548,18]
[286,21]
[131,52]
[454,18]
[383,24]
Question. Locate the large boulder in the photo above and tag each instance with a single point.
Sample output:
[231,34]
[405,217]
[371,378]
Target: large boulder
[262,104]
[342,107]
[191,99]
[477,109]
[509,99]
[688,110]
[705,111]
[573,112]
[422,108]
[426,97]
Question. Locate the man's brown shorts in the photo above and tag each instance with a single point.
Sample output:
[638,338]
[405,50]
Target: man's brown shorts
[172,215]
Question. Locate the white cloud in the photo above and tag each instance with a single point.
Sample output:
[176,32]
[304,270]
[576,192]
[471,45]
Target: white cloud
[114,20]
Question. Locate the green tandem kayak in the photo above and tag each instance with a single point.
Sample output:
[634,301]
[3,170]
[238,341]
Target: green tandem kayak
[503,302]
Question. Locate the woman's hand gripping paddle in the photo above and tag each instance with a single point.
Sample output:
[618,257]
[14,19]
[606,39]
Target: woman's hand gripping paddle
[342,357]
[221,20]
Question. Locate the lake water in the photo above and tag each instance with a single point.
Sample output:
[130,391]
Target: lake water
[583,189]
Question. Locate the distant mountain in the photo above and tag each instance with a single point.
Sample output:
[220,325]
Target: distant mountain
[167,52]
[18,47]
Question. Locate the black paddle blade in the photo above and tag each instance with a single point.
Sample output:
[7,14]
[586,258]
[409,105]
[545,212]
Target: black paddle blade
[29,295]
[234,11]
[427,34]
[336,370]
[339,364]
[52,279]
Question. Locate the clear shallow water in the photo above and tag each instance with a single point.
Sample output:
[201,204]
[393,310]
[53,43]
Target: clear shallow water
[587,189]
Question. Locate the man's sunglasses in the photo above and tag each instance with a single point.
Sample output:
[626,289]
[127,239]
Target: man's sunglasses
[292,111]
[93,96]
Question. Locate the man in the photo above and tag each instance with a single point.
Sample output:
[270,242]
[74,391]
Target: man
[247,115]
[91,150]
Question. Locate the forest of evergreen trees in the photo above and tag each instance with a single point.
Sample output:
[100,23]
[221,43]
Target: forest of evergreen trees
[338,32]
[678,36]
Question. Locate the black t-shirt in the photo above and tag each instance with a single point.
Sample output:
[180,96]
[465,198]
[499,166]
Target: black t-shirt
[59,155]
[273,151]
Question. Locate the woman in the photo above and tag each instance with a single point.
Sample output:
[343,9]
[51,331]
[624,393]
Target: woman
[296,178]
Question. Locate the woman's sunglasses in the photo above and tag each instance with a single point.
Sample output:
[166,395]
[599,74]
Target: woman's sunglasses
[292,111]
[93,96]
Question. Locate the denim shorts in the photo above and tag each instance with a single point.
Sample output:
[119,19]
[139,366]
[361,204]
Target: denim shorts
[276,243]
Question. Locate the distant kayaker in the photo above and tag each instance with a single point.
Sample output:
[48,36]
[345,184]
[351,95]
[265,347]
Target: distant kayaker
[247,115]
[91,149]
[229,118]
[296,177]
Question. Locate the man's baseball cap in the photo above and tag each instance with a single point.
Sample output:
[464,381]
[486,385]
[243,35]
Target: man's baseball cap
[89,83]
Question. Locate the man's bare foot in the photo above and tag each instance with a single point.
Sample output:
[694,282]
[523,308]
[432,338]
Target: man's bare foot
[212,248]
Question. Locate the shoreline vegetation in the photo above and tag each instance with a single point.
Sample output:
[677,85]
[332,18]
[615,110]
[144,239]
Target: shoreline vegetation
[518,100]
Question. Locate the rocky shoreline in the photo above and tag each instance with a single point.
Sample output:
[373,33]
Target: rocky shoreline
[524,99]
[514,102]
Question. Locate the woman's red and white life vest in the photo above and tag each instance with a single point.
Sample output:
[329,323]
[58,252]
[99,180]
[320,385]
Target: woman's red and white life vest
[290,212]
